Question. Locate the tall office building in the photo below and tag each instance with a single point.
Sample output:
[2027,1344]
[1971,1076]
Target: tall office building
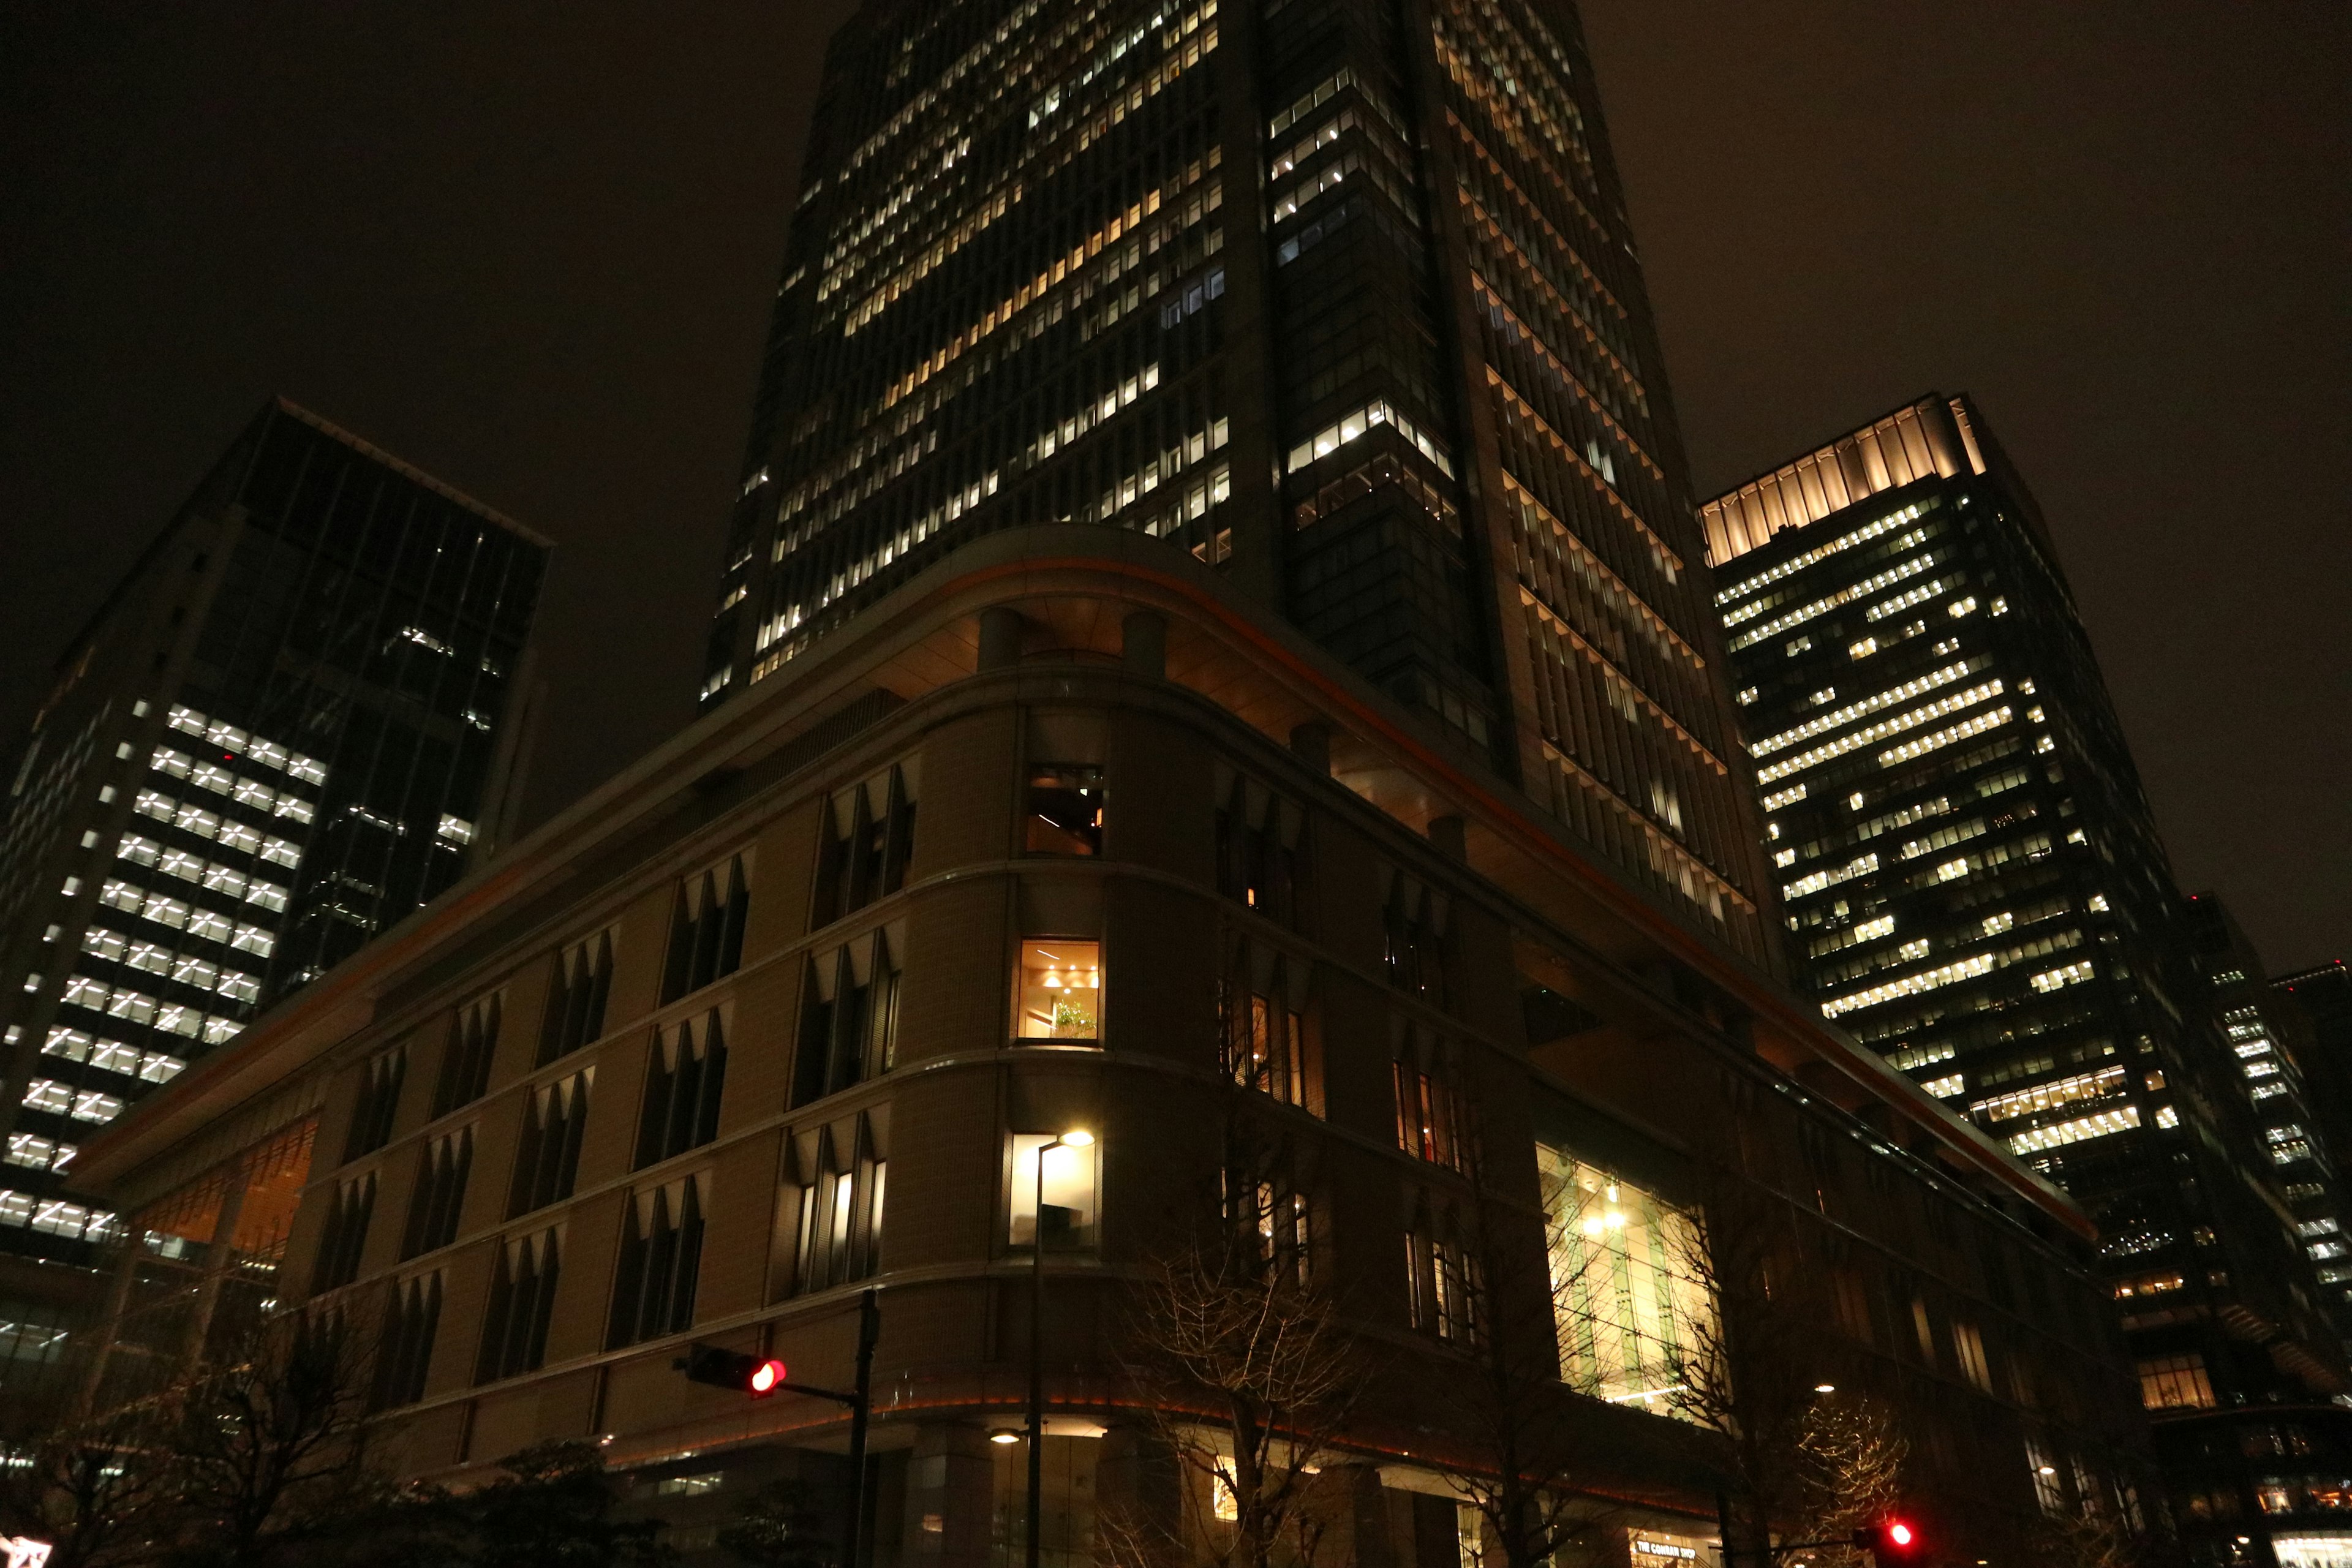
[1974,885]
[290,726]
[2316,1005]
[2276,1053]
[1339,299]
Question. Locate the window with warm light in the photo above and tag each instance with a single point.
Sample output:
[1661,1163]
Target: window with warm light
[1631,1303]
[1061,990]
[2174,1383]
[1069,1192]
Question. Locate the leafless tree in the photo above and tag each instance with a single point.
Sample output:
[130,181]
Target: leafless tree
[269,1447]
[1531,1438]
[2096,1538]
[90,1488]
[1245,1374]
[1808,1463]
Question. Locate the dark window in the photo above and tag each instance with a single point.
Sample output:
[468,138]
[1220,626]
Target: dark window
[576,997]
[522,1301]
[1428,1105]
[868,840]
[1262,1001]
[547,1157]
[705,927]
[379,1102]
[849,1018]
[661,1250]
[407,1351]
[440,1194]
[346,1237]
[1259,863]
[1413,920]
[683,1083]
[1065,809]
[466,1064]
[840,1208]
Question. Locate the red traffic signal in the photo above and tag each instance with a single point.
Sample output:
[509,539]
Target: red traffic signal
[758,1376]
[1891,1540]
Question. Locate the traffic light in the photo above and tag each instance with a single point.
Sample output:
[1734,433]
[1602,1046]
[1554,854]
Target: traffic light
[758,1376]
[1891,1541]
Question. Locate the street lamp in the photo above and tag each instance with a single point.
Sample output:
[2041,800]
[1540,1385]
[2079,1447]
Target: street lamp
[1077,1138]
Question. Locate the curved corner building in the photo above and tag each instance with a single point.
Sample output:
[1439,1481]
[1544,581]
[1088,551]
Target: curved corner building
[1214,653]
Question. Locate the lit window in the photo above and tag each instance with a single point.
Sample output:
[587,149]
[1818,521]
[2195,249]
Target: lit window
[2098,1125]
[1061,990]
[1628,1298]
[1069,1192]
[2176,1382]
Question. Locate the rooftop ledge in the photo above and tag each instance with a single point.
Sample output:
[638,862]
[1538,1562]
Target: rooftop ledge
[1074,585]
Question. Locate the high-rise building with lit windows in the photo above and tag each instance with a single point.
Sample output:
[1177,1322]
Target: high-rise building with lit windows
[1339,299]
[292,724]
[1973,884]
[2288,1089]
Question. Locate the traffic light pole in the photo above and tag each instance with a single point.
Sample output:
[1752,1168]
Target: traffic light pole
[869,1329]
[860,1402]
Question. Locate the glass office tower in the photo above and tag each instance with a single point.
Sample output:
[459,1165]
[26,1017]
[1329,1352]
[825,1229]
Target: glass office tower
[2291,1100]
[1337,297]
[1973,885]
[292,723]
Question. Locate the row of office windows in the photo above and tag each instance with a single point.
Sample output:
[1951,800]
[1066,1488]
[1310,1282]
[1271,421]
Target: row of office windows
[848,1036]
[1635,1307]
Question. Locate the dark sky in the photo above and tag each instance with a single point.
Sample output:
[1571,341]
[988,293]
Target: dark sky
[529,247]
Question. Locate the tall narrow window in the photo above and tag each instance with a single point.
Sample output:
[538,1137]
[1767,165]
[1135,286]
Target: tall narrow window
[1414,917]
[522,1303]
[345,1240]
[581,980]
[867,841]
[1429,1120]
[1065,809]
[1444,1286]
[1261,864]
[439,1196]
[849,1015]
[683,1085]
[661,1252]
[1061,990]
[405,1358]
[466,1061]
[705,927]
[844,1177]
[546,1155]
[1067,1219]
[1266,1043]
[1270,1211]
[1630,1298]
[379,1102]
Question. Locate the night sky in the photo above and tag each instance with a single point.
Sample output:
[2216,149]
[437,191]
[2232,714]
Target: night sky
[529,248]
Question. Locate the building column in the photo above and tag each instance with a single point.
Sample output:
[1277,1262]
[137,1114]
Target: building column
[219,1257]
[1143,645]
[1000,637]
[117,1304]
[951,1494]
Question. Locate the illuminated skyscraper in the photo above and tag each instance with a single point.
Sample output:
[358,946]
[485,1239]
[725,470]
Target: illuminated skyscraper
[292,724]
[1339,299]
[1975,887]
